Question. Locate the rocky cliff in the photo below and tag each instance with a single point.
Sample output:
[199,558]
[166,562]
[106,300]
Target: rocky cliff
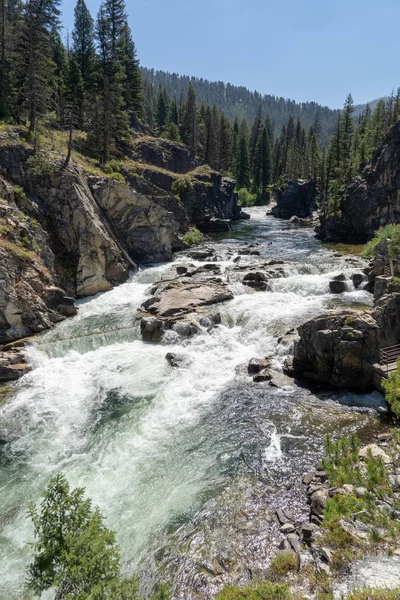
[371,200]
[297,199]
[65,233]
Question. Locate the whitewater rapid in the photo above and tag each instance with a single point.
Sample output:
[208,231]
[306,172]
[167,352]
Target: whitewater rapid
[151,444]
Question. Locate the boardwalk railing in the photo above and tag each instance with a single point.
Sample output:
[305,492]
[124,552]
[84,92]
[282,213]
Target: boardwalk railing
[389,356]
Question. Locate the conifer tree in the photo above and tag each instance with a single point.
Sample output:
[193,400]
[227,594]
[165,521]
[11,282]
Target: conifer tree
[243,167]
[35,67]
[189,121]
[133,92]
[225,157]
[83,53]
[10,12]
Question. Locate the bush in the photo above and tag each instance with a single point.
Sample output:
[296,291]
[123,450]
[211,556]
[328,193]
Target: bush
[113,166]
[264,590]
[283,563]
[192,237]
[40,165]
[390,231]
[19,193]
[392,389]
[246,198]
[182,186]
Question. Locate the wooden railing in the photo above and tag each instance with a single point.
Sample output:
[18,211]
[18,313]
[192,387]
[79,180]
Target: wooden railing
[389,355]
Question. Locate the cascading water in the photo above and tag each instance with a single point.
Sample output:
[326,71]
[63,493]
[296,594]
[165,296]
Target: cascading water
[187,463]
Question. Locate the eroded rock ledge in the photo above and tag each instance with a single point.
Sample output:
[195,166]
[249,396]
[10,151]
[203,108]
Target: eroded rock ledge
[340,349]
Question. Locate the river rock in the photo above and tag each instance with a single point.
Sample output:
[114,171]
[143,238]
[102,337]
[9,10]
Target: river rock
[318,502]
[337,286]
[256,365]
[375,451]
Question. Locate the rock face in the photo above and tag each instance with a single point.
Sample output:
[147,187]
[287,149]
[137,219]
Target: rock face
[298,199]
[164,154]
[87,252]
[146,223]
[371,200]
[340,349]
[31,298]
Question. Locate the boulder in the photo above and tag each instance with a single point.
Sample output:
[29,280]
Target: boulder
[337,286]
[214,226]
[298,198]
[375,451]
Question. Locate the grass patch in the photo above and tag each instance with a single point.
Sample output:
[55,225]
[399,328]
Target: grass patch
[374,594]
[18,250]
[264,590]
[391,231]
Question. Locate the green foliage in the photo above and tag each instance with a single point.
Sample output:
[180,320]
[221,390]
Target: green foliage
[19,193]
[349,321]
[392,390]
[74,552]
[283,563]
[40,165]
[374,594]
[113,166]
[264,590]
[192,237]
[384,233]
[246,198]
[182,186]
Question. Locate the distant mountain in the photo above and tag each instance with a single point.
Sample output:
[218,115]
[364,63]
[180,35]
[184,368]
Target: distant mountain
[238,101]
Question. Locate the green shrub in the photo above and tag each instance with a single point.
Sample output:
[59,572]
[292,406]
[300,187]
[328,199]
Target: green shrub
[246,198]
[182,186]
[388,232]
[374,594]
[192,237]
[392,389]
[283,563]
[113,166]
[116,177]
[40,165]
[264,590]
[19,193]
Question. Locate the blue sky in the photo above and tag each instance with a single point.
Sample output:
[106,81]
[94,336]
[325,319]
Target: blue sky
[302,49]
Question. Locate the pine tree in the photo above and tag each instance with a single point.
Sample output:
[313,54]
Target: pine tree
[225,156]
[133,93]
[243,167]
[189,121]
[35,66]
[10,12]
[109,122]
[265,155]
[83,54]
[163,105]
[347,134]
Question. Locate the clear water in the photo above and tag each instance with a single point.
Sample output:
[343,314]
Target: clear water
[176,457]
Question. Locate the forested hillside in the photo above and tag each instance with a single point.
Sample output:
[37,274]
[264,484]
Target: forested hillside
[238,101]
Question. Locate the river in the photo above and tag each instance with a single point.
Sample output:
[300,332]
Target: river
[188,464]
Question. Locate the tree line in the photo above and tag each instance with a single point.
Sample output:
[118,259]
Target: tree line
[94,83]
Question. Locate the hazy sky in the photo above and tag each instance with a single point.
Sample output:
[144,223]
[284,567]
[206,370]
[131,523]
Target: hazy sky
[302,49]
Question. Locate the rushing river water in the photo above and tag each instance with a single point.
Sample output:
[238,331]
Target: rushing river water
[188,464]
